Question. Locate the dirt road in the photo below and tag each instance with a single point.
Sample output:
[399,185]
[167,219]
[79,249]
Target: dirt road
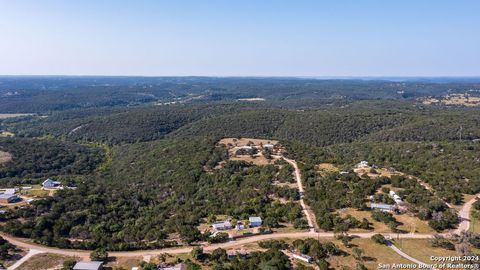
[306,210]
[464,215]
[209,247]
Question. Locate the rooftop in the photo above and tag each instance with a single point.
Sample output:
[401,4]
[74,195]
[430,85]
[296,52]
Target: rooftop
[88,265]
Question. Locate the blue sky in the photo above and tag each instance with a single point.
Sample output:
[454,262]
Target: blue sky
[240,38]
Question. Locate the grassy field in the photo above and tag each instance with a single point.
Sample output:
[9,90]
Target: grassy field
[373,255]
[45,260]
[410,222]
[38,193]
[421,249]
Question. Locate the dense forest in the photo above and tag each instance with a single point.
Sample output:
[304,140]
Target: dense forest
[41,94]
[146,172]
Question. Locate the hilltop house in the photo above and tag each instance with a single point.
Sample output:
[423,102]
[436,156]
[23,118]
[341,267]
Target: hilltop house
[255,221]
[50,183]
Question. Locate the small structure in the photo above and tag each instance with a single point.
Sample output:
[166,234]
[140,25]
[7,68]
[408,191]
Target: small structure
[363,164]
[268,146]
[239,226]
[8,198]
[255,221]
[94,265]
[222,225]
[246,150]
[302,257]
[179,266]
[50,183]
[383,207]
[10,191]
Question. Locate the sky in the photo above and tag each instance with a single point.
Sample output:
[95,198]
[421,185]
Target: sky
[240,38]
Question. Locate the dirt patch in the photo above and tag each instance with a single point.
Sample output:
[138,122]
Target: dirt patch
[12,115]
[256,160]
[454,99]
[5,157]
[251,99]
[326,168]
[246,141]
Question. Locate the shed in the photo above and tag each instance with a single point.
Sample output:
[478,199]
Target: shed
[383,207]
[255,221]
[94,265]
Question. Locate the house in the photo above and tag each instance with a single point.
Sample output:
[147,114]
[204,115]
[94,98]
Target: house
[10,191]
[362,164]
[179,266]
[8,198]
[303,257]
[50,183]
[246,150]
[255,221]
[268,146]
[94,265]
[222,225]
[383,207]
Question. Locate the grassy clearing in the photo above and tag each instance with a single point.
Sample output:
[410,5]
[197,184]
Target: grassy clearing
[38,193]
[421,249]
[45,261]
[410,222]
[13,115]
[5,157]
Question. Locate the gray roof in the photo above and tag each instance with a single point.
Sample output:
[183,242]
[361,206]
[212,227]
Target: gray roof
[88,266]
[255,219]
[382,206]
[7,196]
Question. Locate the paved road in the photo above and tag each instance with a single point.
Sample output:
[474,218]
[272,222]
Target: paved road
[308,213]
[25,258]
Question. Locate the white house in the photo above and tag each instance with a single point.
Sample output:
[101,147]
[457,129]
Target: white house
[179,266]
[303,257]
[222,225]
[255,221]
[362,164]
[10,191]
[50,183]
[383,207]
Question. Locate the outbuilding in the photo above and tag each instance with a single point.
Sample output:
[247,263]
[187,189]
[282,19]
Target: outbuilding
[94,265]
[222,225]
[255,221]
